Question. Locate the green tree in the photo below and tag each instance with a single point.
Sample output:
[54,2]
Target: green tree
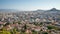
[4,31]
[44,33]
[49,27]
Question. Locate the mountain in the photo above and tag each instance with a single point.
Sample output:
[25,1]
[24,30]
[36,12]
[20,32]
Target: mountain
[8,10]
[54,9]
[39,10]
[51,10]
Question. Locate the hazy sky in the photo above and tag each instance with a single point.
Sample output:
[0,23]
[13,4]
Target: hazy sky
[29,4]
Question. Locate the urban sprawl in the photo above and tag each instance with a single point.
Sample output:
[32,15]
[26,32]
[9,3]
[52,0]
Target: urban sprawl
[30,22]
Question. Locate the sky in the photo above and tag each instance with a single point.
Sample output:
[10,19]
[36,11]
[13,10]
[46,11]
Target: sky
[29,4]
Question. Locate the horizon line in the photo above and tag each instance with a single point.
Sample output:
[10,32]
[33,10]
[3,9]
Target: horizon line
[28,10]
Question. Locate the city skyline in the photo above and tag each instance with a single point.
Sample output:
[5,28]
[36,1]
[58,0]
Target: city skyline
[29,4]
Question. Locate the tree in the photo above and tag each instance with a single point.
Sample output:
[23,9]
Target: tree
[49,27]
[4,31]
[41,23]
[25,27]
[44,33]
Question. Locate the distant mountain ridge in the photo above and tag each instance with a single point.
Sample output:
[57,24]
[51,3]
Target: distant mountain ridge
[8,10]
[13,10]
[54,9]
